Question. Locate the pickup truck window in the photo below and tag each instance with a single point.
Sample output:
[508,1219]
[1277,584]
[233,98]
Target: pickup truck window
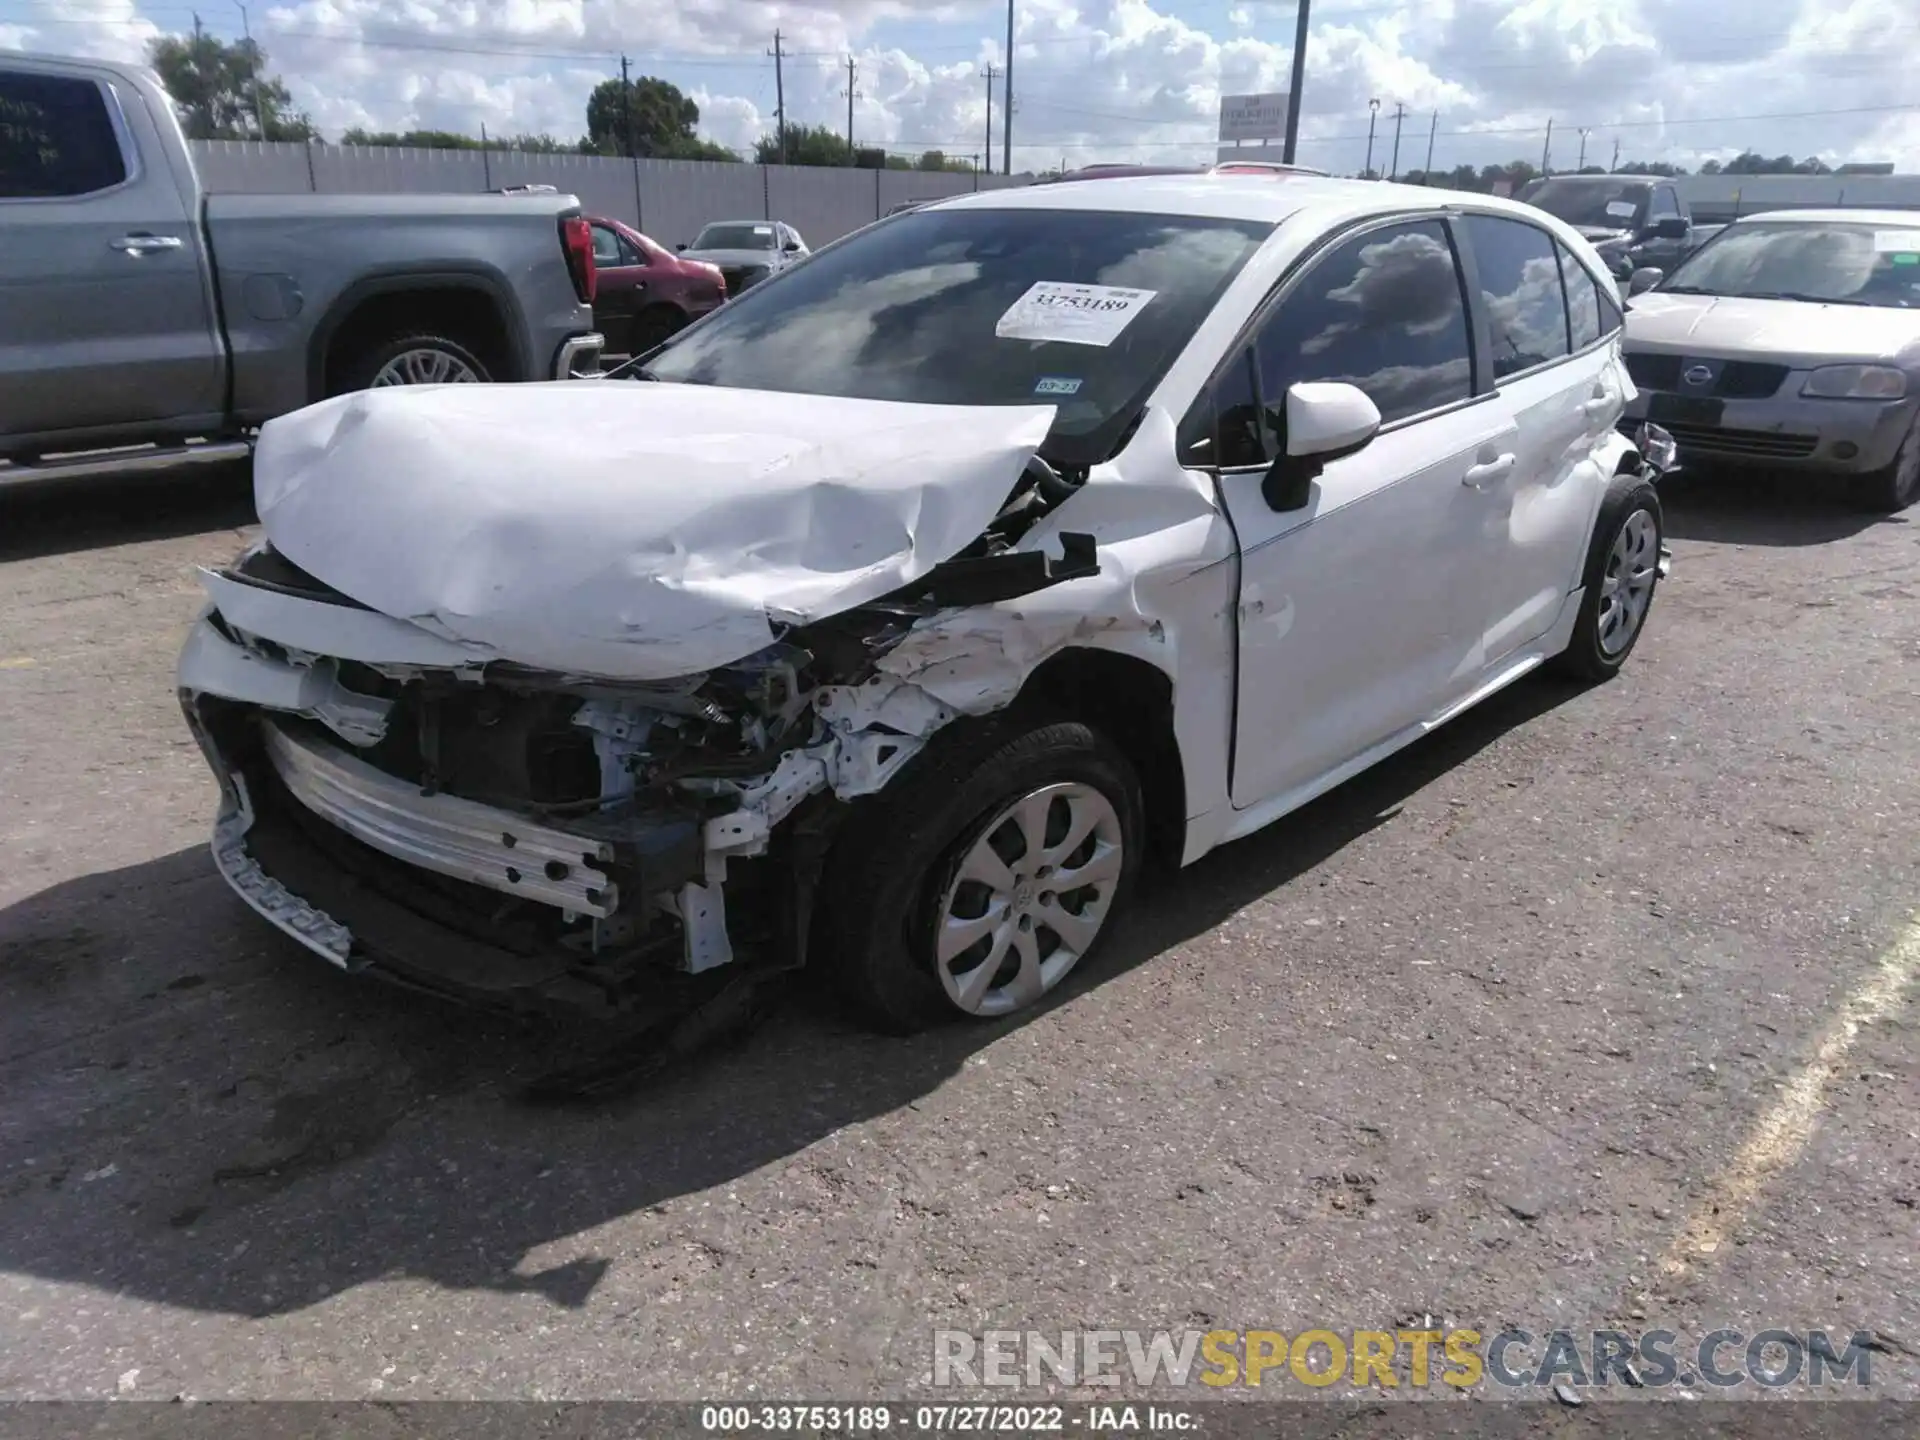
[57,139]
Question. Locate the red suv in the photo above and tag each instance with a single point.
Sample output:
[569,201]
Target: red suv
[646,292]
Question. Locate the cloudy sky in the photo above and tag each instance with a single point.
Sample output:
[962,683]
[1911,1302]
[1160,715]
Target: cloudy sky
[1679,80]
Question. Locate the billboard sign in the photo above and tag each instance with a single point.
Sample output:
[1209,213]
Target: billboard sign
[1253,117]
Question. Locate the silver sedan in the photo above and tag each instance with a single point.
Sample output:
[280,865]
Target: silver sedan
[1790,340]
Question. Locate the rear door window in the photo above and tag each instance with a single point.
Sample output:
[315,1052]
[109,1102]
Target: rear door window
[1521,288]
[57,138]
[1583,300]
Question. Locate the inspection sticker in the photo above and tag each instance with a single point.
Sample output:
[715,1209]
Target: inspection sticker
[1057,385]
[1072,314]
[1620,209]
[1897,242]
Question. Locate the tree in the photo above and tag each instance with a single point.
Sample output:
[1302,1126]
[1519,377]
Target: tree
[649,118]
[448,140]
[415,139]
[223,91]
[936,160]
[806,145]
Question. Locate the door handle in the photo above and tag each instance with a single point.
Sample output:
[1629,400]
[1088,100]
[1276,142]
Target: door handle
[1597,406]
[139,244]
[1479,476]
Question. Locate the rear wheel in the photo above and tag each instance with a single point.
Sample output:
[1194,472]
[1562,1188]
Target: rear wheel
[1890,490]
[415,358]
[986,874]
[1622,572]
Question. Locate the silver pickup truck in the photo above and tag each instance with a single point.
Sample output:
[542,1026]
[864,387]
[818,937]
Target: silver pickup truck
[136,310]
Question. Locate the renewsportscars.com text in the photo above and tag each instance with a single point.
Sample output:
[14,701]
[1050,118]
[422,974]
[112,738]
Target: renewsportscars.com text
[1462,1358]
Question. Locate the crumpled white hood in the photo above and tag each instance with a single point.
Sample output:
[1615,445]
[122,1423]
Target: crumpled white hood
[629,529]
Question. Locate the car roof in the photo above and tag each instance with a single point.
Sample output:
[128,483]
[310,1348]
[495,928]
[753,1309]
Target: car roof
[1892,219]
[1261,197]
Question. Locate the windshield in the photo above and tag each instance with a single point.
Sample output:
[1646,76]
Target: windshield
[1596,204]
[740,236]
[1838,262]
[1080,309]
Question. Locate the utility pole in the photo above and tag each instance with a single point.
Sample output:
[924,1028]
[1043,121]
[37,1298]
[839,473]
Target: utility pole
[1432,134]
[1373,113]
[851,93]
[1399,114]
[1546,150]
[1615,167]
[990,73]
[1297,84]
[779,99]
[1584,132]
[626,107]
[1006,120]
[246,29]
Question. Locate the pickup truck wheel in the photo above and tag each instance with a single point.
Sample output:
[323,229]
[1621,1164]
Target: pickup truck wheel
[984,875]
[1893,489]
[414,359]
[1622,572]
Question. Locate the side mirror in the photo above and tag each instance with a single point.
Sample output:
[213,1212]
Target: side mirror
[792,247]
[1671,227]
[1644,279]
[679,247]
[1326,421]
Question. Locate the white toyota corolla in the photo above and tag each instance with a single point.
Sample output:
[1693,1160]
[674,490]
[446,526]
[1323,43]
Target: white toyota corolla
[887,619]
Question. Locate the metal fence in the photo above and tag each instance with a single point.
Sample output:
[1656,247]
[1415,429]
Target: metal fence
[668,199]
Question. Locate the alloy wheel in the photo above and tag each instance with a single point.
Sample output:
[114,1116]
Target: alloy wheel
[1029,899]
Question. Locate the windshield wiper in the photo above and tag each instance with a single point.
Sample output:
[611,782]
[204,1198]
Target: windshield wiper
[1807,299]
[1684,290]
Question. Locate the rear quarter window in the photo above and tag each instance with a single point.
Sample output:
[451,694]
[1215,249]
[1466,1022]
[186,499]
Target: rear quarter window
[57,139]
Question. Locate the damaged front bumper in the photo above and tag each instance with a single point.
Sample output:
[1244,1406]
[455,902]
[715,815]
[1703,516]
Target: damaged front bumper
[615,906]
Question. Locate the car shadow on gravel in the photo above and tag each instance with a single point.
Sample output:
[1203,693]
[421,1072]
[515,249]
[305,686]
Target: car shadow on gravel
[1758,507]
[202,1115]
[59,517]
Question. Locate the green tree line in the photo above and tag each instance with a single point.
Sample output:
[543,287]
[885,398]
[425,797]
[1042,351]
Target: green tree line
[223,91]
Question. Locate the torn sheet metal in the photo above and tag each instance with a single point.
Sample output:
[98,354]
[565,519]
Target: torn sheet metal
[629,530]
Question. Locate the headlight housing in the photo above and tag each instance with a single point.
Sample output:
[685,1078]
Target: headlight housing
[1856,382]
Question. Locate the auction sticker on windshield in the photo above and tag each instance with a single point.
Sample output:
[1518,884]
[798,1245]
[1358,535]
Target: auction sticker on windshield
[1072,314]
[1896,242]
[1620,209]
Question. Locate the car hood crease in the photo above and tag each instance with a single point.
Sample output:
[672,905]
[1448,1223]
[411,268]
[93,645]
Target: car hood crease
[626,530]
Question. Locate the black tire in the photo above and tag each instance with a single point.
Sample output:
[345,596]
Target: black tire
[652,326]
[891,867]
[356,371]
[1892,489]
[1586,658]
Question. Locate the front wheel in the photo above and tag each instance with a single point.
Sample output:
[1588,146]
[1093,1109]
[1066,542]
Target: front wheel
[987,873]
[1893,489]
[1622,572]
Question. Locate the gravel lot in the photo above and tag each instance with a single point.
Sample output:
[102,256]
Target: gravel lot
[1484,1035]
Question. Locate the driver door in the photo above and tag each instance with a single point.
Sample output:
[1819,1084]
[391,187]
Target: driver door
[1360,614]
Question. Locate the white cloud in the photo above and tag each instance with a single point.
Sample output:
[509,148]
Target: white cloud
[1104,79]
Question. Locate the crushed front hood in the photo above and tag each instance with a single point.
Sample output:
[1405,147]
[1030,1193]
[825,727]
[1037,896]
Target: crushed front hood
[628,529]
